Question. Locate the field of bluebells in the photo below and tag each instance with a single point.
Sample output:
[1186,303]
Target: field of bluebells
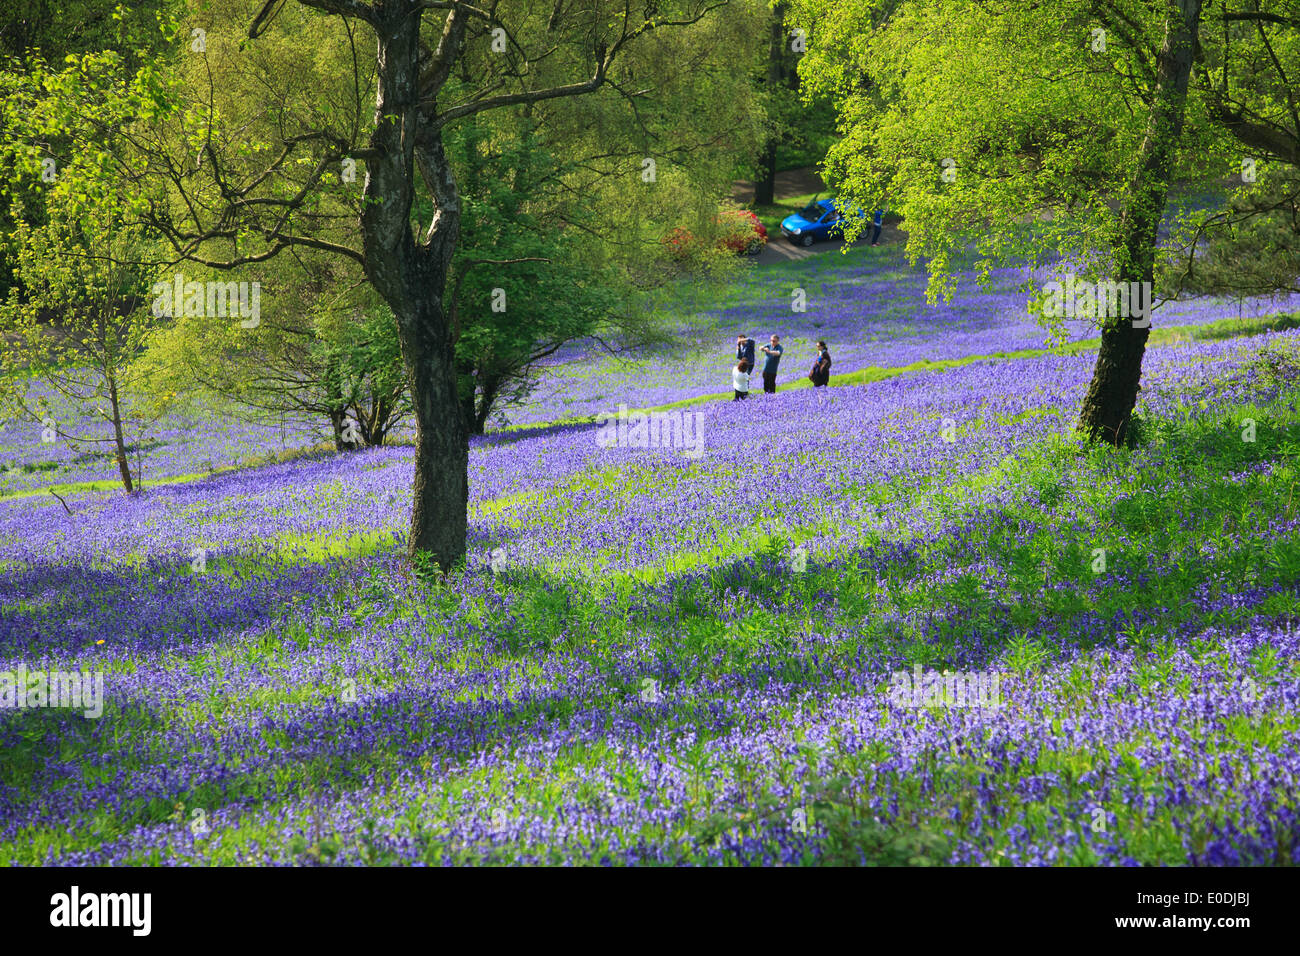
[867,305]
[658,658]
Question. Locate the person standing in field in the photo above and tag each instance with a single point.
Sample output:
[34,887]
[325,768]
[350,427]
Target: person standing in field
[771,360]
[877,226]
[740,381]
[745,349]
[821,370]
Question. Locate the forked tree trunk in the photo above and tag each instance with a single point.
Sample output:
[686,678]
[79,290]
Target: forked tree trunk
[1108,407]
[411,273]
[375,425]
[479,413]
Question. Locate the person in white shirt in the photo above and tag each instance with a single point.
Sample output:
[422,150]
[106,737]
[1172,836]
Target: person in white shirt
[740,380]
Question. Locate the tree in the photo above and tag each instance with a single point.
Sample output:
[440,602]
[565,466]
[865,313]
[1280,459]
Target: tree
[1250,247]
[781,80]
[980,117]
[78,328]
[58,28]
[324,349]
[227,196]
[798,129]
[566,275]
[1112,393]
[39,31]
[1246,75]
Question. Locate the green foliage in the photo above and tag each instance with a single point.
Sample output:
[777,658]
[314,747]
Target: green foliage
[36,32]
[1245,245]
[78,319]
[55,29]
[531,270]
[1036,114]
[1278,365]
[559,210]
[325,349]
[971,120]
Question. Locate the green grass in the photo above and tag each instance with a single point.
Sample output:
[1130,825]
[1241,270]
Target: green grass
[771,216]
[1070,497]
[82,487]
[1175,509]
[257,461]
[1173,335]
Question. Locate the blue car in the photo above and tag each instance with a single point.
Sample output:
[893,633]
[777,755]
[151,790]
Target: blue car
[820,219]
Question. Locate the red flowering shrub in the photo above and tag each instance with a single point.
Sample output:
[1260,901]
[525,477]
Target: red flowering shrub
[742,234]
[745,234]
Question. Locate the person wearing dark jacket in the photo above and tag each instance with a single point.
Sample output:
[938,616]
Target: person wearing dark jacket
[745,349]
[821,370]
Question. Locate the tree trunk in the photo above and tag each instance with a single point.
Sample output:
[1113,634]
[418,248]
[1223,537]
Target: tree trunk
[119,440]
[411,274]
[381,413]
[1108,407]
[439,522]
[765,184]
[336,425]
[490,388]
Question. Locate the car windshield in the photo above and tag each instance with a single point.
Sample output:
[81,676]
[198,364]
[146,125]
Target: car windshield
[811,212]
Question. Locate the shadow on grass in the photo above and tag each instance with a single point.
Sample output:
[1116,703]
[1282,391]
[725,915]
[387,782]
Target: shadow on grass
[53,609]
[526,679]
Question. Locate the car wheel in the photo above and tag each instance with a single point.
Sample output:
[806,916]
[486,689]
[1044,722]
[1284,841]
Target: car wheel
[806,241]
